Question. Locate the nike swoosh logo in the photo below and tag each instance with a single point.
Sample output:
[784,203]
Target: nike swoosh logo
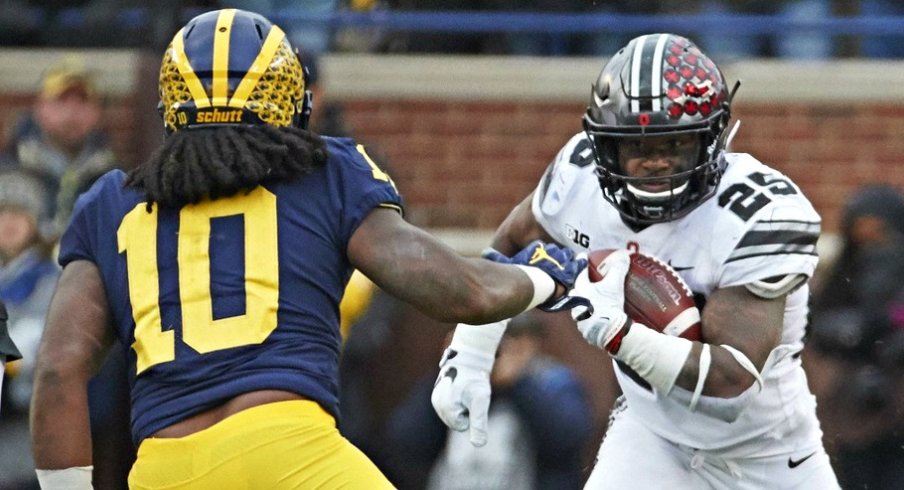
[451,373]
[794,464]
[678,268]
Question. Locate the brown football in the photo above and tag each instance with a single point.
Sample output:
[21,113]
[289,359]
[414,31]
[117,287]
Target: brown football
[655,295]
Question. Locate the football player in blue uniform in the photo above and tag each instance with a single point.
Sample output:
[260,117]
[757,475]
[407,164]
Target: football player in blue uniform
[221,263]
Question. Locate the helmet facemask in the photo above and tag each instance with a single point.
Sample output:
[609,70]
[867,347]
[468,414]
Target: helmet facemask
[659,88]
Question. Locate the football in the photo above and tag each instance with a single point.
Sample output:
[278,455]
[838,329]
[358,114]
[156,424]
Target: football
[655,295]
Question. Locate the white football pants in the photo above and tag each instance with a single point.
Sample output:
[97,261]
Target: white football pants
[633,457]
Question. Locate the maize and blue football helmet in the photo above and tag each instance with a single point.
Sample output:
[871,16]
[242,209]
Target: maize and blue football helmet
[232,67]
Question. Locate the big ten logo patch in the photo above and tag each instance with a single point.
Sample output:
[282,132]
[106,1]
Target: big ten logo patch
[577,236]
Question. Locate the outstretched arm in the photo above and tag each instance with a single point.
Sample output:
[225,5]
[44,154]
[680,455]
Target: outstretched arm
[414,266]
[76,337]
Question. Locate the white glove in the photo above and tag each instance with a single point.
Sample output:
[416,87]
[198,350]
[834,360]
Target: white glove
[461,394]
[605,324]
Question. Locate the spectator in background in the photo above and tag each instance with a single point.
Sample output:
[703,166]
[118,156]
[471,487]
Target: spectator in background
[794,43]
[534,43]
[313,30]
[539,424]
[882,46]
[856,347]
[61,141]
[28,276]
[62,144]
[437,42]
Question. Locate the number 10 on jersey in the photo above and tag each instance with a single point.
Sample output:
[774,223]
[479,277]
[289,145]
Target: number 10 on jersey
[137,238]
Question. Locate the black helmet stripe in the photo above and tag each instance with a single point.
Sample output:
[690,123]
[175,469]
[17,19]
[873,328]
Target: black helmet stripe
[646,73]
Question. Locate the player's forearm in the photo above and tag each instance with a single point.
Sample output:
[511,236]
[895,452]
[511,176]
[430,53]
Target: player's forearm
[725,379]
[60,427]
[742,330]
[477,292]
[415,267]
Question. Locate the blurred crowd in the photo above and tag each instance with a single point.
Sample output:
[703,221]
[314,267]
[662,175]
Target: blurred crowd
[127,23]
[854,356]
[50,155]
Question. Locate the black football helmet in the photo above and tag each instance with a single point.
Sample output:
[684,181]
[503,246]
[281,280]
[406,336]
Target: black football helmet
[232,67]
[657,85]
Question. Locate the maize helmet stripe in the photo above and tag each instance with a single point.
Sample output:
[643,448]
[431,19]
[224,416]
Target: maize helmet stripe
[180,58]
[221,56]
[258,68]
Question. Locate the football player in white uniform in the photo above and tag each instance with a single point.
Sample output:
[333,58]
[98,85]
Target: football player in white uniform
[651,173]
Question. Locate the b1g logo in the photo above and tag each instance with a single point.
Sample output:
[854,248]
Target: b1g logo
[576,236]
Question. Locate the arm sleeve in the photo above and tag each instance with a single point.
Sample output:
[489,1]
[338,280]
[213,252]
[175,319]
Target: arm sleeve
[565,182]
[361,185]
[79,240]
[779,243]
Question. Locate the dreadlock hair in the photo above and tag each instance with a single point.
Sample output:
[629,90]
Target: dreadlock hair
[198,163]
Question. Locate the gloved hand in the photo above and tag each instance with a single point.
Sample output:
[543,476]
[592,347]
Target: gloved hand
[605,323]
[461,394]
[559,263]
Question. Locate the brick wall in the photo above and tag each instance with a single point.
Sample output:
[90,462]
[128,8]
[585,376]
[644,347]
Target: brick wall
[465,164]
[466,138]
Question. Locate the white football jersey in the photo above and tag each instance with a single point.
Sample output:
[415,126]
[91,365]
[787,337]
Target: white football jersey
[758,225]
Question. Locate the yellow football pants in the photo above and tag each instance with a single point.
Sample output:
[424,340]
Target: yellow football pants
[283,445]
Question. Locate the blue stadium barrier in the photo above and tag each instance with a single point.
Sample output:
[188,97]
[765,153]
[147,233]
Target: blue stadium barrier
[478,22]
[471,22]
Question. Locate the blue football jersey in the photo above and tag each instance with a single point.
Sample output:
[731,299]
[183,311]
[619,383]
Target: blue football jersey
[231,295]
